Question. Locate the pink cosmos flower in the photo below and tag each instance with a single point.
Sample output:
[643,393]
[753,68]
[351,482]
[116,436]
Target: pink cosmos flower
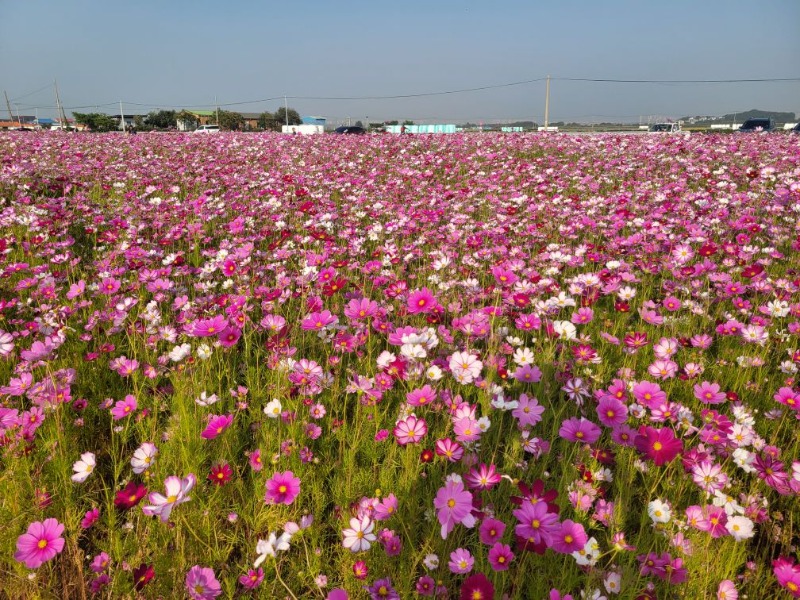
[229,336]
[483,478]
[202,584]
[410,430]
[787,572]
[569,538]
[491,530]
[209,327]
[282,488]
[500,556]
[528,412]
[465,367]
[536,522]
[177,491]
[611,412]
[527,374]
[421,301]
[422,396]
[461,561]
[124,408]
[452,451]
[40,543]
[648,393]
[361,308]
[317,321]
[579,430]
[709,393]
[252,579]
[659,445]
[109,286]
[216,425]
[454,505]
[727,590]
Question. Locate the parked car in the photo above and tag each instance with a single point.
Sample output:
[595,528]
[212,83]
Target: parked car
[757,125]
[795,129]
[207,129]
[350,129]
[666,128]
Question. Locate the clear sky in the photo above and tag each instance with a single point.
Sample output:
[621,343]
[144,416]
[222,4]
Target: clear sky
[177,53]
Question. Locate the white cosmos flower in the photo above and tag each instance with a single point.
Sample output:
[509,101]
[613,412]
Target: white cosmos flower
[83,467]
[359,536]
[565,330]
[433,373]
[271,546]
[178,353]
[659,512]
[273,408]
[740,528]
[143,457]
[205,399]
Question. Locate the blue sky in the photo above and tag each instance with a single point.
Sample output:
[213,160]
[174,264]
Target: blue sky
[164,54]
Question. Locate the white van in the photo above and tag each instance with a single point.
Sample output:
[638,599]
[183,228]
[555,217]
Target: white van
[207,129]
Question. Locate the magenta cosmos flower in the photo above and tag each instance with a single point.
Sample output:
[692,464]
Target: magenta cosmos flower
[477,587]
[216,425]
[659,445]
[209,327]
[579,430]
[570,538]
[421,301]
[202,584]
[788,575]
[283,488]
[410,430]
[40,543]
[454,505]
[124,408]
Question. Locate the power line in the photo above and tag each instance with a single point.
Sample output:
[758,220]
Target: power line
[767,80]
[41,89]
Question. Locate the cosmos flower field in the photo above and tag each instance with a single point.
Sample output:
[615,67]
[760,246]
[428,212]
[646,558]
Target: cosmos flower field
[468,366]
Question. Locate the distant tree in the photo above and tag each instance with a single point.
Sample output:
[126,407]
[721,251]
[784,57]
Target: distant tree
[294,117]
[407,122]
[392,122]
[359,124]
[267,121]
[161,119]
[376,125]
[138,122]
[230,120]
[188,119]
[96,121]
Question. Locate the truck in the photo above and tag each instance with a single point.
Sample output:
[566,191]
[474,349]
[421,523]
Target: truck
[665,128]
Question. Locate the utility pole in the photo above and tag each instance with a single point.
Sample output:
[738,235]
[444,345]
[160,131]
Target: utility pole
[122,117]
[217,106]
[8,105]
[286,109]
[60,109]
[547,104]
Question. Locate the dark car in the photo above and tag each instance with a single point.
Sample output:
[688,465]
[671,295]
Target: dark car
[759,124]
[350,129]
[796,128]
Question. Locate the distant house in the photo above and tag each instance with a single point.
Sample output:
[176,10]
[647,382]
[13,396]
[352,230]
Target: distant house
[130,120]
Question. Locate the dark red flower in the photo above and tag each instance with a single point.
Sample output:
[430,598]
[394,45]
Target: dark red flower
[477,587]
[220,474]
[660,445]
[142,575]
[130,495]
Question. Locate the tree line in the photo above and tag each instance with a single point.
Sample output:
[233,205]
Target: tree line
[161,120]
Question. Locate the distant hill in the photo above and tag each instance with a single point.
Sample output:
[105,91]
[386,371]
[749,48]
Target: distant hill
[740,117]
